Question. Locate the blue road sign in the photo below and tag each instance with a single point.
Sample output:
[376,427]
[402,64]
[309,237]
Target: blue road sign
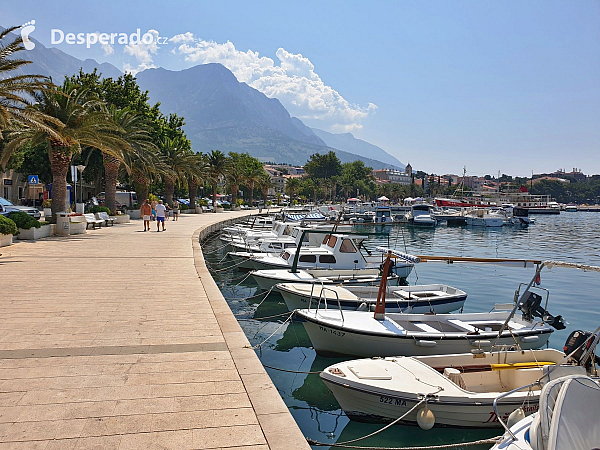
[33,179]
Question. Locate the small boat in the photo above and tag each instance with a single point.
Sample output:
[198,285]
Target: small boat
[383,214]
[571,207]
[454,390]
[480,217]
[421,215]
[428,298]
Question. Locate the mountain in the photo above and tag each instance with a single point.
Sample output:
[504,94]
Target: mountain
[348,143]
[219,111]
[55,63]
[222,113]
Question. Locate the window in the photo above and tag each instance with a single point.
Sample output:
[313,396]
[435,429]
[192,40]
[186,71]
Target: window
[308,258]
[347,246]
[327,259]
[332,241]
[326,238]
[285,255]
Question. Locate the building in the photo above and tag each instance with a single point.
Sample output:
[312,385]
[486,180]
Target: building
[384,176]
[16,190]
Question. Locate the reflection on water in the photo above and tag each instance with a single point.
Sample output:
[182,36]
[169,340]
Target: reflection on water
[569,237]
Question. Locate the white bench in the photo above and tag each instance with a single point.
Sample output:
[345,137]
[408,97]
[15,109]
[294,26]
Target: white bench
[106,218]
[91,220]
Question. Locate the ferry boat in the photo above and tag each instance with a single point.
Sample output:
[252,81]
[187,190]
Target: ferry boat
[535,204]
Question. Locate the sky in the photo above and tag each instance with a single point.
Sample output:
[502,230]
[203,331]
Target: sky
[497,86]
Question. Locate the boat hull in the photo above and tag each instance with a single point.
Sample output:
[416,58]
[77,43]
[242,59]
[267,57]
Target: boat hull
[301,300]
[362,405]
[267,280]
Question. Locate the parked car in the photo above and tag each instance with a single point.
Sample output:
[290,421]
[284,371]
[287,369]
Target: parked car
[7,207]
[123,200]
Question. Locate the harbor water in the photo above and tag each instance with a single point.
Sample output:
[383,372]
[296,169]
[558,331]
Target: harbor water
[574,294]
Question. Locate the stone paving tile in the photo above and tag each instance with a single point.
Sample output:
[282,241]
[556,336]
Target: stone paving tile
[127,370]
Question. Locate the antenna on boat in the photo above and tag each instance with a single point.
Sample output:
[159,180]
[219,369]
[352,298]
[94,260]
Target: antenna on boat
[380,305]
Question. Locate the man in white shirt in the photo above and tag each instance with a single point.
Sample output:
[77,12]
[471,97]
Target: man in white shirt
[160,215]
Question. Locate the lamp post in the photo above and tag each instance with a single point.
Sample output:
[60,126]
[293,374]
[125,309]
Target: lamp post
[80,168]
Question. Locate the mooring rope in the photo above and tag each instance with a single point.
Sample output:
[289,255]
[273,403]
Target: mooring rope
[291,371]
[343,444]
[229,267]
[494,440]
[246,298]
[217,249]
[254,347]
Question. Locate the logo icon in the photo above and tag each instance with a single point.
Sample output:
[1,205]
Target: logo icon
[26,30]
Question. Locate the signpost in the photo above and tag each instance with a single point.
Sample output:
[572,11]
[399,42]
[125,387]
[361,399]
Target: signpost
[33,180]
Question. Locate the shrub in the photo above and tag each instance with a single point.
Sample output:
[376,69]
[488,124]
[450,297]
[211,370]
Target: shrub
[226,206]
[203,202]
[183,207]
[8,226]
[239,202]
[96,209]
[47,203]
[23,220]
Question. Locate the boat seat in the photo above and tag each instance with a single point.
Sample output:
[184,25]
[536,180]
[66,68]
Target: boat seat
[425,327]
[459,323]
[455,376]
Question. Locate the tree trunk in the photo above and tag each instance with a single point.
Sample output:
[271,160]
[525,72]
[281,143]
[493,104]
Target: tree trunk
[60,158]
[214,197]
[111,173]
[141,184]
[234,193]
[169,189]
[193,188]
[251,193]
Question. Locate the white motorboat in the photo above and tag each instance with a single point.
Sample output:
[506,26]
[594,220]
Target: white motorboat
[571,207]
[561,422]
[359,333]
[383,214]
[454,390]
[421,215]
[337,251]
[480,217]
[268,279]
[428,298]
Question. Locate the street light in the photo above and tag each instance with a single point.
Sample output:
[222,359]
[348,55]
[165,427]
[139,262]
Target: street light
[80,168]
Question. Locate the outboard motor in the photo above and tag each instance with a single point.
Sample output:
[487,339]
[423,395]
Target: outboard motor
[531,308]
[575,341]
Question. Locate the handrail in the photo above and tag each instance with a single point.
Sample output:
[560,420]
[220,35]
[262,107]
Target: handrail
[495,404]
[321,296]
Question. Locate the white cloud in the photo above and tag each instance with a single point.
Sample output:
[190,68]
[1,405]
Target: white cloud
[108,49]
[293,81]
[142,52]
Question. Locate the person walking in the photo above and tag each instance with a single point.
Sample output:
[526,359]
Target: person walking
[146,212]
[175,210]
[153,205]
[161,212]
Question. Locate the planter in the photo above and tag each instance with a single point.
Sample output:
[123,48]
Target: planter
[220,210]
[77,227]
[5,240]
[199,210]
[122,218]
[34,234]
[47,213]
[135,214]
[237,208]
[186,211]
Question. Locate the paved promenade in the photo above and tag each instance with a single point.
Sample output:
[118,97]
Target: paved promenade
[119,339]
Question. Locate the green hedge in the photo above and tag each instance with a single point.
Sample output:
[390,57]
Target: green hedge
[97,209]
[23,220]
[8,226]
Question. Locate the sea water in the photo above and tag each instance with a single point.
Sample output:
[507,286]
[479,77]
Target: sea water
[574,294]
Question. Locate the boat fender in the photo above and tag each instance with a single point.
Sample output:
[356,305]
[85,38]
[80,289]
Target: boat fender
[516,416]
[362,307]
[424,343]
[481,343]
[426,418]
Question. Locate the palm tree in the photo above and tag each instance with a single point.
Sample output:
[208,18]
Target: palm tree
[136,133]
[235,175]
[180,160]
[265,183]
[78,121]
[292,186]
[217,165]
[17,92]
[253,171]
[194,179]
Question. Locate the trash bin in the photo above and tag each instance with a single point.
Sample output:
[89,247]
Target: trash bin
[63,224]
